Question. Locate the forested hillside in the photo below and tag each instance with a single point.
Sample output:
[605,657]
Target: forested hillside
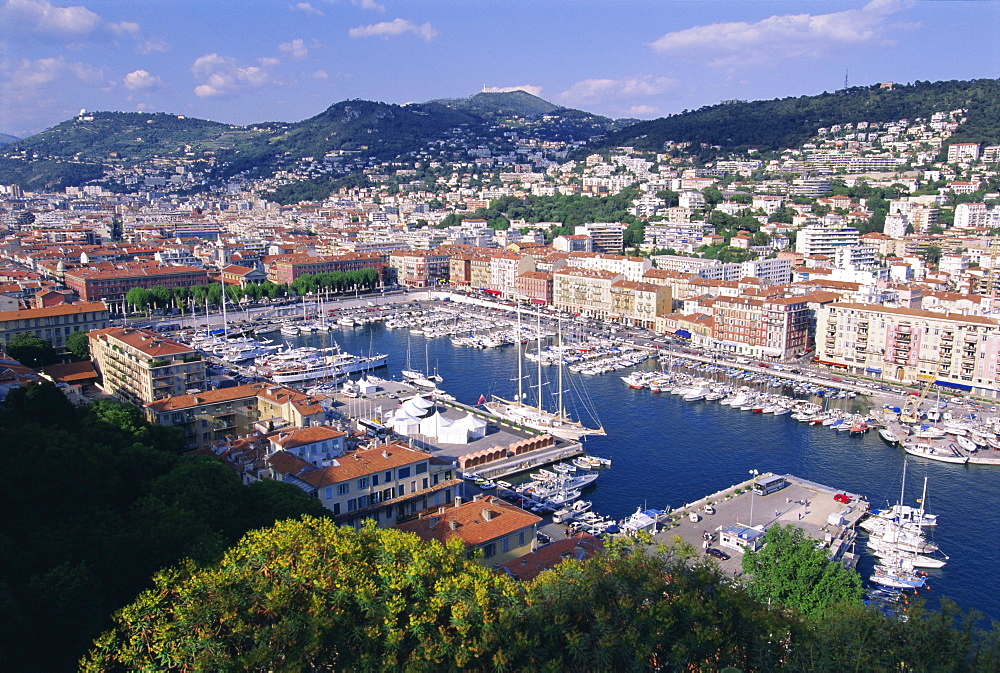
[789,122]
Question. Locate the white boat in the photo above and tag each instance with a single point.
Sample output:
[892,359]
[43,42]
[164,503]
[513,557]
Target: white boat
[935,453]
[537,417]
[898,578]
[325,367]
[290,330]
[966,444]
[888,435]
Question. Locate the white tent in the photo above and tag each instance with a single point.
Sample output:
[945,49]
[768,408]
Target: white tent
[475,426]
[433,424]
[404,424]
[418,407]
[367,387]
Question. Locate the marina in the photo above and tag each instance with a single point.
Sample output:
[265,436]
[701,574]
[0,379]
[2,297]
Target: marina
[668,452]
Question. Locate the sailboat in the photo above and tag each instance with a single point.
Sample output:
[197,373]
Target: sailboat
[536,417]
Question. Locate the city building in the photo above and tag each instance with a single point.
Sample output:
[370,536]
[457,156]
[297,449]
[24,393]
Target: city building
[140,366]
[109,282]
[585,292]
[211,415]
[286,268]
[909,345]
[53,323]
[824,238]
[501,531]
[775,327]
[420,268]
[387,484]
[607,237]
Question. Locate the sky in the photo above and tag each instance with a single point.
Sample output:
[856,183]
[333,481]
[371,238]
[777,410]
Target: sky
[246,61]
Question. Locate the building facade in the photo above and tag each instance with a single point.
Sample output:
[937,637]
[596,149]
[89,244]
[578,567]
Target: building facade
[53,323]
[140,366]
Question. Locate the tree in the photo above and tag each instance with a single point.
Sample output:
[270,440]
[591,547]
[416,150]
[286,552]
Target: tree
[932,255]
[790,571]
[307,594]
[140,298]
[79,345]
[669,196]
[31,350]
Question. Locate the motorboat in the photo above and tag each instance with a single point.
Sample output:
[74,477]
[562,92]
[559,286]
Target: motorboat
[888,435]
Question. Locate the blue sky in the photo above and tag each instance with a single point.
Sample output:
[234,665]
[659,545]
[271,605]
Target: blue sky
[253,60]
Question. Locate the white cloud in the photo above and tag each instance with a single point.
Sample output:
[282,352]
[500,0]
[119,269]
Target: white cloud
[125,27]
[41,16]
[138,80]
[152,44]
[295,49]
[222,76]
[268,61]
[368,4]
[641,111]
[600,90]
[528,88]
[395,28]
[307,8]
[43,71]
[789,35]
[320,74]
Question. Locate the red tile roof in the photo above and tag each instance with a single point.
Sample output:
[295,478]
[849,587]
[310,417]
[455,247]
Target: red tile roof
[473,522]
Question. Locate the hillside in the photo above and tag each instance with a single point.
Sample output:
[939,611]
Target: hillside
[499,106]
[7,138]
[788,122]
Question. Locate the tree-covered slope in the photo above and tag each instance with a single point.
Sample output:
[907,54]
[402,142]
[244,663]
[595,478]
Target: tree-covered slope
[788,122]
[502,105]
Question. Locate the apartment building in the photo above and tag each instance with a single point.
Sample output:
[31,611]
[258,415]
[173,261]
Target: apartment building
[631,268]
[286,268]
[586,292]
[140,366]
[968,152]
[638,304]
[535,286]
[53,323]
[911,345]
[500,531]
[386,484]
[776,327]
[109,282]
[211,415]
[420,268]
[505,267]
[606,237]
[824,238]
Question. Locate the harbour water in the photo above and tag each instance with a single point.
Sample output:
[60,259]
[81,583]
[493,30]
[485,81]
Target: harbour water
[668,452]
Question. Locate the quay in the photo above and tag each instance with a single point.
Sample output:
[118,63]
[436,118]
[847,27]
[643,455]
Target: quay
[802,503]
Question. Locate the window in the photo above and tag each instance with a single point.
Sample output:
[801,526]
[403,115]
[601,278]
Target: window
[403,473]
[401,489]
[352,505]
[505,545]
[388,476]
[374,480]
[421,468]
[387,494]
[328,493]
[362,501]
[336,508]
[520,539]
[490,550]
[363,483]
[424,483]
[343,489]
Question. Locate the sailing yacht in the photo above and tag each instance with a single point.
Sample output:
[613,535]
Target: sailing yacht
[536,417]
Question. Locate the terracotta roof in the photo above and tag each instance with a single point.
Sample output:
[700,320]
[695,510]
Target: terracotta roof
[473,522]
[364,461]
[916,313]
[285,462]
[145,341]
[71,371]
[61,309]
[579,547]
[301,436]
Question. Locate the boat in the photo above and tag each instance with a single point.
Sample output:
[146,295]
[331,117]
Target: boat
[537,417]
[967,444]
[935,453]
[888,435]
[334,366]
[896,577]
[290,330]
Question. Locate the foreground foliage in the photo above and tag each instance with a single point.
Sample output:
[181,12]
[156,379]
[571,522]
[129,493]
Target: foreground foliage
[95,500]
[309,595]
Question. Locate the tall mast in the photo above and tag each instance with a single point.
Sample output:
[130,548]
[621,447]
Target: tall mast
[225,324]
[520,346]
[539,329]
[923,500]
[562,351]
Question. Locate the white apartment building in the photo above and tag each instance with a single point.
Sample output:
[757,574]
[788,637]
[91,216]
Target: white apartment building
[630,268]
[967,152]
[970,215]
[824,238]
[608,237]
[586,292]
[895,225]
[911,345]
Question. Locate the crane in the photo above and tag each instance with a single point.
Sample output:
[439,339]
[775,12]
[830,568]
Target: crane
[910,412]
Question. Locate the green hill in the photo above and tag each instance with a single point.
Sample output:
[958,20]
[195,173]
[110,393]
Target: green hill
[7,138]
[788,122]
[502,105]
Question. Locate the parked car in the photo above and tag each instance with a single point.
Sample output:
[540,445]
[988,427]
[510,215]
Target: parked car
[718,553]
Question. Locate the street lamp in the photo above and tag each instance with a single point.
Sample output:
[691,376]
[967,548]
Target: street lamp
[753,474]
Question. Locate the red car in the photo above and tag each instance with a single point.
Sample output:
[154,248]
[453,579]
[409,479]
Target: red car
[840,497]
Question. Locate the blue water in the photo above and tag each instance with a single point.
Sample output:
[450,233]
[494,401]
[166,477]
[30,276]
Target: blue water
[668,452]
